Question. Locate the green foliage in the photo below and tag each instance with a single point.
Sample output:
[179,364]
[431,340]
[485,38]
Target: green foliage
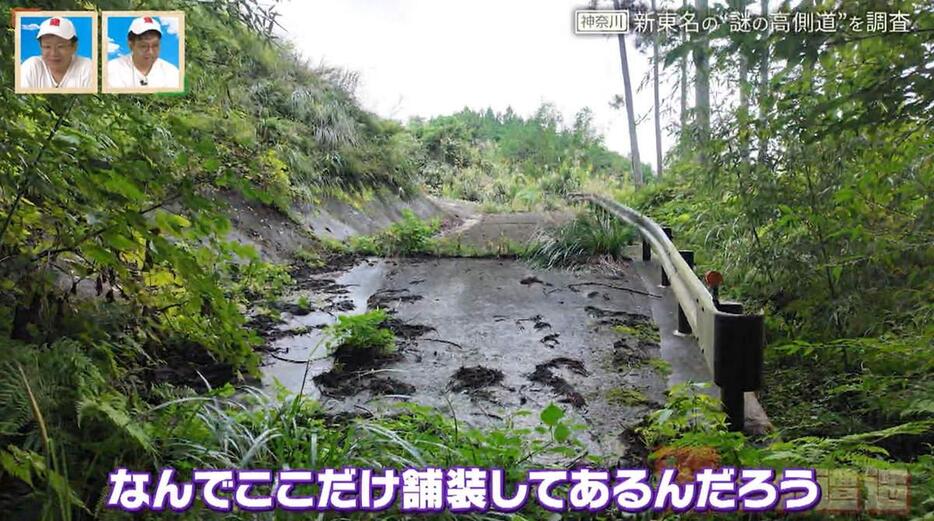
[813,201]
[510,163]
[689,409]
[363,332]
[590,234]
[409,236]
[692,418]
[114,251]
[252,430]
[312,258]
[258,279]
[62,424]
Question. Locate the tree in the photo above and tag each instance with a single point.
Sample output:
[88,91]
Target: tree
[763,88]
[702,89]
[630,111]
[744,87]
[658,119]
[684,86]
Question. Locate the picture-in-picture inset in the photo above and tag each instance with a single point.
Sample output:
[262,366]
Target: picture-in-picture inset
[56,52]
[145,51]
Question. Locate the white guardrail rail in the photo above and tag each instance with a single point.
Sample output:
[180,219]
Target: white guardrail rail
[731,342]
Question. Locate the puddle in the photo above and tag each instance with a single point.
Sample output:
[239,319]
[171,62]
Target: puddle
[348,294]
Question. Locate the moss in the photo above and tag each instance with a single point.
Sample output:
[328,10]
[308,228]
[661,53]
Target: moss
[627,396]
[660,366]
[643,331]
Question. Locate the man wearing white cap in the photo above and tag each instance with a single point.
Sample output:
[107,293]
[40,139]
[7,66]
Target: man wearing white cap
[143,68]
[58,65]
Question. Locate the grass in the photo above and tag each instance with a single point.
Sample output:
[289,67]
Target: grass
[589,235]
[309,257]
[251,429]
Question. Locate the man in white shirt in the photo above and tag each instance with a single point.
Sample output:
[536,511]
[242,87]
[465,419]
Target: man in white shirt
[143,68]
[58,66]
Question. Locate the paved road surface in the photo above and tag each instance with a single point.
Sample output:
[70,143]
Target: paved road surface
[482,339]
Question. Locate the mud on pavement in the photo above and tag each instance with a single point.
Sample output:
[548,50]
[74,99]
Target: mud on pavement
[482,339]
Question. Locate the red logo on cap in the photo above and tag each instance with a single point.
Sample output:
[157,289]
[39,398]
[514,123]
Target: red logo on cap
[55,21]
[147,19]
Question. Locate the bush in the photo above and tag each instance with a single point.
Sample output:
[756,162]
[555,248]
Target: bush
[363,332]
[406,237]
[575,243]
[410,235]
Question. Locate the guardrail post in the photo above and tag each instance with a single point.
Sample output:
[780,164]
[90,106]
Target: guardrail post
[684,327]
[665,281]
[738,344]
[734,406]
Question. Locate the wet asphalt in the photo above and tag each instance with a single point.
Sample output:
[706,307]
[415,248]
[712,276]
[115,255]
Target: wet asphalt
[494,341]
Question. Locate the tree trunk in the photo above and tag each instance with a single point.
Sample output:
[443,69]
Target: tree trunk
[743,122]
[658,119]
[684,90]
[630,110]
[764,90]
[702,91]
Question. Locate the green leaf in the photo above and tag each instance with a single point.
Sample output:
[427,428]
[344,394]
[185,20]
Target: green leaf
[211,165]
[16,468]
[562,432]
[98,254]
[120,242]
[125,187]
[551,415]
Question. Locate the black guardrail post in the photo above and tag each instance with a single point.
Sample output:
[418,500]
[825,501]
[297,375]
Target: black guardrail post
[684,327]
[665,281]
[738,344]
[738,339]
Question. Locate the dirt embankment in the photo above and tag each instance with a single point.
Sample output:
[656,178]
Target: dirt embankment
[277,236]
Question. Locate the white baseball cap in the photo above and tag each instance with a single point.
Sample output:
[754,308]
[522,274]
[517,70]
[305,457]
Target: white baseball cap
[58,26]
[145,23]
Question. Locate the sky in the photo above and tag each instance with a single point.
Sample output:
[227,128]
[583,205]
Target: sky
[435,57]
[119,26]
[30,28]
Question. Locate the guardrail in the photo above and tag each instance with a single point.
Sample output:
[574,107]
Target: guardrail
[731,342]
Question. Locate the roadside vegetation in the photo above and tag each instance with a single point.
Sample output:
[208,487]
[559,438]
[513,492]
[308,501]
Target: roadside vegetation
[591,234]
[123,300]
[510,163]
[810,191]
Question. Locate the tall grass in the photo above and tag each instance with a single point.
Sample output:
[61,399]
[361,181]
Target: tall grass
[589,235]
[254,430]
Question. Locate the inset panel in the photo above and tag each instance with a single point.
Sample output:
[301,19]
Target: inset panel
[56,52]
[144,51]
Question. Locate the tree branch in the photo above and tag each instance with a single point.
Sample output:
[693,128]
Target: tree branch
[24,183]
